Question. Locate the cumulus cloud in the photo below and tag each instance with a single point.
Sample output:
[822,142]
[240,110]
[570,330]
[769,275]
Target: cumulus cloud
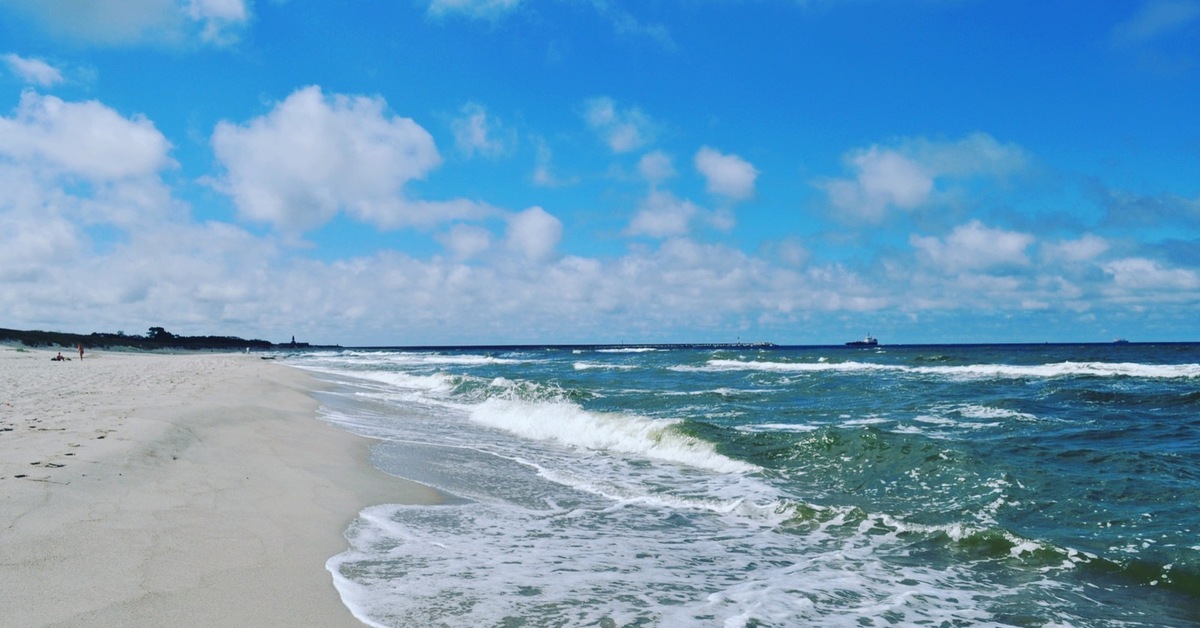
[905,176]
[312,156]
[655,167]
[34,71]
[1086,247]
[32,244]
[973,246]
[883,179]
[136,22]
[533,234]
[218,18]
[86,139]
[466,241]
[1137,274]
[662,215]
[623,130]
[477,133]
[726,174]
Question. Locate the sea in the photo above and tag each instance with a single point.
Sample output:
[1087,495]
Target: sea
[756,486]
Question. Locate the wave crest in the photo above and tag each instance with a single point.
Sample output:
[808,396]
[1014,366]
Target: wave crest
[569,424]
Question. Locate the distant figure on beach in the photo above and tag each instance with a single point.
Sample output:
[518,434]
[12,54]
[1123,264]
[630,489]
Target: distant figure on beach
[58,358]
[81,351]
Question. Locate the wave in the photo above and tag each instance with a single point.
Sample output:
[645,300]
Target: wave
[587,366]
[434,383]
[975,411]
[569,424]
[415,358]
[975,371]
[777,427]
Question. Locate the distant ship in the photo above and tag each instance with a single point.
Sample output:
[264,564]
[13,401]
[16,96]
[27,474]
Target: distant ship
[1120,341]
[869,341]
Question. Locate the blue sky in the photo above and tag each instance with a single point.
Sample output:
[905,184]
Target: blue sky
[548,171]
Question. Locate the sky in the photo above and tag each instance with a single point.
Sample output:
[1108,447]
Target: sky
[455,172]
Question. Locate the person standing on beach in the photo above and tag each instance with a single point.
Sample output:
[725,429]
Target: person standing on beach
[80,346]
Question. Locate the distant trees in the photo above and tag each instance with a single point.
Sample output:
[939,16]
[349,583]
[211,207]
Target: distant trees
[156,338]
[159,334]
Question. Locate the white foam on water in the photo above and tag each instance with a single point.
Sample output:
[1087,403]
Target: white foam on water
[975,411]
[974,371]
[569,424]
[778,427]
[718,365]
[585,366]
[870,420]
[943,421]
[435,383]
[490,564]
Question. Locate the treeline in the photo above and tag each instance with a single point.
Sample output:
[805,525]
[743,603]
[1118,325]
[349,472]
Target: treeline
[156,338]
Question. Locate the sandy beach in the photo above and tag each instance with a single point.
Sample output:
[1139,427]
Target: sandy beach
[181,490]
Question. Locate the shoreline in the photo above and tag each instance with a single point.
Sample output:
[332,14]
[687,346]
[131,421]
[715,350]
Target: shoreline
[185,490]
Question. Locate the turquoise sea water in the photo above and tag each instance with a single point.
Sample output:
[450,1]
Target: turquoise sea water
[1047,485]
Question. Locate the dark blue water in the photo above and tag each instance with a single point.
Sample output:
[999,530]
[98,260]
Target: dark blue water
[951,485]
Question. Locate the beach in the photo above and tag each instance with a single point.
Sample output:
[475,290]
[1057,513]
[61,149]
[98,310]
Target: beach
[185,490]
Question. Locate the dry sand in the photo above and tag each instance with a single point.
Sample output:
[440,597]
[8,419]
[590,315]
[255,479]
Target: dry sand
[174,490]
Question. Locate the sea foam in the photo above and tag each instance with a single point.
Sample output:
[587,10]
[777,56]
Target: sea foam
[569,424]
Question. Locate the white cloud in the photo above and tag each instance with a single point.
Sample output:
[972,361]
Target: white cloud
[86,139]
[656,167]
[31,245]
[625,23]
[974,246]
[792,252]
[136,22]
[662,215]
[312,156]
[472,8]
[884,179]
[726,174]
[1137,274]
[1155,19]
[623,130]
[533,234]
[218,18]
[34,71]
[1085,248]
[975,154]
[466,241]
[905,176]
[475,132]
